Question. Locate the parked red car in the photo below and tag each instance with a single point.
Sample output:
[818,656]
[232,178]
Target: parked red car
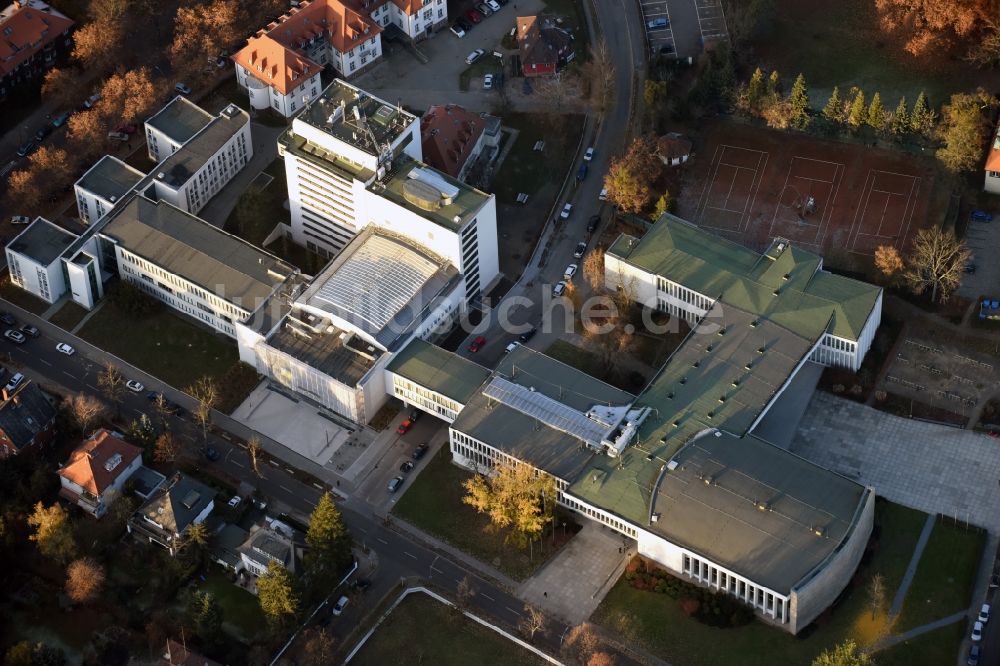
[474,16]
[477,344]
[127,129]
[404,426]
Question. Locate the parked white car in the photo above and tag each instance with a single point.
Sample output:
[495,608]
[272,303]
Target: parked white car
[567,209]
[341,604]
[474,56]
[235,501]
[589,155]
[134,386]
[488,82]
[570,272]
[984,614]
[559,289]
[65,349]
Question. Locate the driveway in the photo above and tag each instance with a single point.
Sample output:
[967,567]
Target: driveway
[401,77]
[983,239]
[934,468]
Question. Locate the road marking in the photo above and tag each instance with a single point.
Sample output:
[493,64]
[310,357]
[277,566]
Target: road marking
[70,375]
[90,386]
[434,568]
[381,540]
[512,611]
[237,464]
[362,530]
[286,489]
[410,554]
[486,596]
[45,362]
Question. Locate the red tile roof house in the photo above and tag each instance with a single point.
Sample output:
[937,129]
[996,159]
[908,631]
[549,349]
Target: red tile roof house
[451,138]
[992,183]
[27,419]
[33,36]
[97,470]
[545,48]
[280,66]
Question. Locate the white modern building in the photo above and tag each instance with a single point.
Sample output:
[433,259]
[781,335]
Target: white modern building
[353,160]
[33,259]
[196,154]
[681,270]
[329,341]
[280,66]
[192,266]
[103,186]
[682,468]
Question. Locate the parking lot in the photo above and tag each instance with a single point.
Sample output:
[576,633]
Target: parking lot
[983,239]
[681,28]
[660,38]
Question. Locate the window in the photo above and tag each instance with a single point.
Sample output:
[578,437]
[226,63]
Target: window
[994,174]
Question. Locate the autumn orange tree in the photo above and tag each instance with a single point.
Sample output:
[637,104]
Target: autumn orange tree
[514,497]
[889,263]
[927,25]
[630,179]
[201,32]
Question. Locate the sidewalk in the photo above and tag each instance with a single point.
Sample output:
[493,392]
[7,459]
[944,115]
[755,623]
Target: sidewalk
[468,562]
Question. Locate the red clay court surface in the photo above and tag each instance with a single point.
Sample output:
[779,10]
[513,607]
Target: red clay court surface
[752,185]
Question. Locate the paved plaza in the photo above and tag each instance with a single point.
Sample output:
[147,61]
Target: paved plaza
[300,427]
[934,468]
[573,583]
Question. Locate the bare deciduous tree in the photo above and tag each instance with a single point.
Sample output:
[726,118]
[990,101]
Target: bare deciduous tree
[876,594]
[84,580]
[318,647]
[532,622]
[599,74]
[936,261]
[86,410]
[464,593]
[207,394]
[167,448]
[253,450]
[112,384]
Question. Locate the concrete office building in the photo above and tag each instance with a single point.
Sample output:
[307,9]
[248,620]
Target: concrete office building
[190,265]
[330,340]
[353,160]
[681,270]
[33,259]
[196,154]
[103,186]
[680,468]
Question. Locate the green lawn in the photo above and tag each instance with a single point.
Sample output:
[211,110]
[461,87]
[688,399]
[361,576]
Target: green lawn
[579,358]
[258,211]
[800,38]
[241,612]
[526,170]
[164,344]
[433,502]
[422,630]
[945,576]
[472,76]
[657,621]
[68,316]
[19,297]
[936,647]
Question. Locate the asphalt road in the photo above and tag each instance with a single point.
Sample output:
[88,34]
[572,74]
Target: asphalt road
[397,555]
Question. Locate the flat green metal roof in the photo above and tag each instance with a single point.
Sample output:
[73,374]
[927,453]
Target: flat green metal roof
[784,284]
[526,438]
[439,370]
[723,377]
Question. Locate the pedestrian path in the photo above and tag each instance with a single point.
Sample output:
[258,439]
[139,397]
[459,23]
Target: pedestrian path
[911,570]
[86,317]
[918,631]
